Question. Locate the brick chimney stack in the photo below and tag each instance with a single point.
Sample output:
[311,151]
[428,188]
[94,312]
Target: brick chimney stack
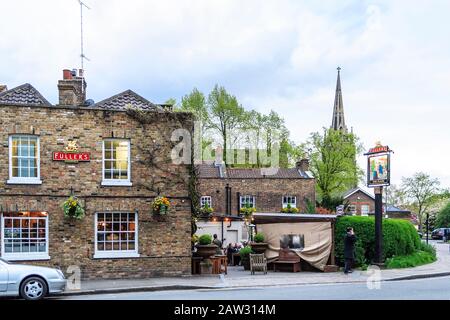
[72,88]
[3,87]
[303,165]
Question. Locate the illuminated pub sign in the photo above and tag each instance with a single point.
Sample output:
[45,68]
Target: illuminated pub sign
[71,154]
[379,166]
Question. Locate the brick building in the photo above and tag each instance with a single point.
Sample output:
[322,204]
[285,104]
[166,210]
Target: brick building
[227,190]
[129,163]
[359,202]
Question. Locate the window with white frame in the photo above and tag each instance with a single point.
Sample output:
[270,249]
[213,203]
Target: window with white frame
[116,235]
[289,200]
[352,209]
[24,160]
[25,236]
[206,200]
[250,200]
[365,208]
[116,162]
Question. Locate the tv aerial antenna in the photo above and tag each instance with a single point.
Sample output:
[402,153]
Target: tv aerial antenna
[82,56]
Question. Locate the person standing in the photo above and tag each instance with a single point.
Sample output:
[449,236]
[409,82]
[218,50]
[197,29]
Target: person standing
[218,243]
[349,250]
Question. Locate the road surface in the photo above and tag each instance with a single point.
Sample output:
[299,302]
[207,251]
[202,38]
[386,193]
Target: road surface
[420,289]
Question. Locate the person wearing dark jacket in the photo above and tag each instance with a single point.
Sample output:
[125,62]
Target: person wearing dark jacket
[349,250]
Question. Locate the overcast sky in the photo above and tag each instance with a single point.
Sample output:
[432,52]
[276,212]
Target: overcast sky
[281,55]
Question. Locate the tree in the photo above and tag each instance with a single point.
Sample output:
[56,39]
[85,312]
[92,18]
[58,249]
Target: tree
[226,114]
[172,102]
[395,196]
[421,189]
[195,102]
[443,217]
[333,164]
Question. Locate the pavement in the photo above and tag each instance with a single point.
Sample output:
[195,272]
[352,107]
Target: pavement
[238,278]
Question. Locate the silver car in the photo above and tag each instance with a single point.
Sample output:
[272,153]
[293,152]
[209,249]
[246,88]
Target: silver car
[29,282]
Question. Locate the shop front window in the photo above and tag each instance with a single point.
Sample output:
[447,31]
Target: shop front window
[116,235]
[25,236]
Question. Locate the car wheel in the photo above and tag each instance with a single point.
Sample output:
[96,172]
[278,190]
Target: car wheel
[33,288]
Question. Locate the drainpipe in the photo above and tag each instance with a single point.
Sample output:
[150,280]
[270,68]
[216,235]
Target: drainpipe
[238,194]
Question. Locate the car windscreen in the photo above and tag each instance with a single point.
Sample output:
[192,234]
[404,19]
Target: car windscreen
[3,260]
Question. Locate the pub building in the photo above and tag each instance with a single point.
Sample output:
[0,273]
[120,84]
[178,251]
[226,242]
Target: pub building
[114,161]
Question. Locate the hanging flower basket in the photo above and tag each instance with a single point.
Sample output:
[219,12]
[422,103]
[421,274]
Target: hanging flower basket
[206,210]
[73,209]
[161,206]
[247,211]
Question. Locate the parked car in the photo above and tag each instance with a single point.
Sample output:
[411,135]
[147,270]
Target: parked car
[437,234]
[29,282]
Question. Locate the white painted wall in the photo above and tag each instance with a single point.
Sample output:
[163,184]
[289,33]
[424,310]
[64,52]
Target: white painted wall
[229,231]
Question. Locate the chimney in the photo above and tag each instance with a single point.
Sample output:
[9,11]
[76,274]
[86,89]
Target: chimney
[3,87]
[72,88]
[302,165]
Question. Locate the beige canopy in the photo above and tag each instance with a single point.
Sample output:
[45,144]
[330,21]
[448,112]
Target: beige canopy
[317,235]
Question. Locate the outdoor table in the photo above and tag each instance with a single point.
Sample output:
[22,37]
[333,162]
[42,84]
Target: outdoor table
[223,263]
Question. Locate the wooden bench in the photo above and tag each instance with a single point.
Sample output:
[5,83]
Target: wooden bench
[287,258]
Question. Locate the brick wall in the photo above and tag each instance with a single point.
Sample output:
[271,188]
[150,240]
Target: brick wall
[363,200]
[268,192]
[164,243]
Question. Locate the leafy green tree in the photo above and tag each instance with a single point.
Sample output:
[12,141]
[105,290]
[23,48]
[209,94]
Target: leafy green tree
[443,217]
[225,113]
[421,189]
[333,164]
[195,102]
[173,102]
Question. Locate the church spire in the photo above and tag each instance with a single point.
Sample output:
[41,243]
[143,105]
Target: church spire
[338,122]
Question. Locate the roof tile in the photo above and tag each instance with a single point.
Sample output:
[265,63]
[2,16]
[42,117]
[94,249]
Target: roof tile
[25,95]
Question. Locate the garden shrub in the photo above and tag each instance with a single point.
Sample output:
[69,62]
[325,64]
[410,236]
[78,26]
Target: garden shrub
[400,238]
[413,260]
[205,239]
[259,237]
[427,248]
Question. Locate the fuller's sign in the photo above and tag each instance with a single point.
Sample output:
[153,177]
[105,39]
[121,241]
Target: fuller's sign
[71,154]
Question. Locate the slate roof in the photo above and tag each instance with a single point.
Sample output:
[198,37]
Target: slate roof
[121,100]
[24,95]
[210,170]
[352,191]
[391,208]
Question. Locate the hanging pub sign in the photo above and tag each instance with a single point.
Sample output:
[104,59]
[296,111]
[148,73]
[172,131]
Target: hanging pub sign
[71,154]
[378,166]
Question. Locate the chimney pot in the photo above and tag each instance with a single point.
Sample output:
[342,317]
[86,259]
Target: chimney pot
[303,165]
[67,74]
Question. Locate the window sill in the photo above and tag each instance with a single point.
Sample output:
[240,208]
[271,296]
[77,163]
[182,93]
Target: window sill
[116,184]
[25,257]
[115,255]
[18,181]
